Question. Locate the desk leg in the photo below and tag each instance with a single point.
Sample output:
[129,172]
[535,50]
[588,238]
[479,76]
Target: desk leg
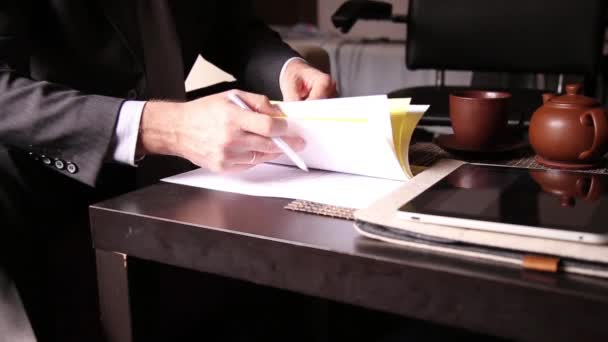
[114,304]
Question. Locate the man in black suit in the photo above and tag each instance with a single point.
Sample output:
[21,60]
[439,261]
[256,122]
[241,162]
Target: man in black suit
[91,88]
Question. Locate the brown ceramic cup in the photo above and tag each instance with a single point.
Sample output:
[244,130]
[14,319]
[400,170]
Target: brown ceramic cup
[479,118]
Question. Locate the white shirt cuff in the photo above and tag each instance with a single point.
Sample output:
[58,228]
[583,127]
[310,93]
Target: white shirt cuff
[127,130]
[287,63]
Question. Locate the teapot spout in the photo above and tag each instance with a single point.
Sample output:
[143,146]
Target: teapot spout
[548,96]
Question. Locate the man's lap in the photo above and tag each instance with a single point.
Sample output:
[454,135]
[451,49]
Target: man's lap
[45,247]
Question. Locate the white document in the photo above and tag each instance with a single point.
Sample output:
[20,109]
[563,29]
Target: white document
[350,135]
[333,188]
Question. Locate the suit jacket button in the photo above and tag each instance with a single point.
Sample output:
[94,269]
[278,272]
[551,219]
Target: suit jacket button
[71,167]
[46,160]
[59,164]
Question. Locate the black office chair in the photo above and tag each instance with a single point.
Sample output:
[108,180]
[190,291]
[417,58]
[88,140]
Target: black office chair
[604,84]
[545,37]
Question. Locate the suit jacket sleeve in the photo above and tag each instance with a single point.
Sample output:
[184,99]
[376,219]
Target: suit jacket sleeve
[49,121]
[248,49]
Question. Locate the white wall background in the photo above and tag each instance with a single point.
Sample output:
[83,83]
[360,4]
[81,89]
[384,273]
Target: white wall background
[368,29]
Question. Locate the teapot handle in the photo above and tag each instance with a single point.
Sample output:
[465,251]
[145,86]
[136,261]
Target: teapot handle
[600,125]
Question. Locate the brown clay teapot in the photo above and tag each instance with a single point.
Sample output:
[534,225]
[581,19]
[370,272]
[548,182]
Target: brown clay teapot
[568,186]
[569,131]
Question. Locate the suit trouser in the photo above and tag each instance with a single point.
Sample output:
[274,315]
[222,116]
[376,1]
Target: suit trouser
[14,324]
[45,246]
[15,257]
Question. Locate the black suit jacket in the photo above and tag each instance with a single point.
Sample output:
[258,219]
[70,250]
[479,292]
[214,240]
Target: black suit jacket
[66,67]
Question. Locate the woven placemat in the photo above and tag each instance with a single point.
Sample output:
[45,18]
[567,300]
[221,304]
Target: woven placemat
[425,154]
[321,209]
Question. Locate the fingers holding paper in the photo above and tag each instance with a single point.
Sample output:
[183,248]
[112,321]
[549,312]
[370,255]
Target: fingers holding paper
[214,133]
[304,82]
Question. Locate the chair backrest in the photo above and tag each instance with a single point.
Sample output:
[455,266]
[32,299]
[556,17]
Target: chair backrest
[542,36]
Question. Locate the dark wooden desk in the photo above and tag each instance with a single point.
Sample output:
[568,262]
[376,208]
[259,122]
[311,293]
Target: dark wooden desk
[256,240]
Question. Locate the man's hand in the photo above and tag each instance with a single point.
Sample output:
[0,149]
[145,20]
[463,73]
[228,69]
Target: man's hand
[214,133]
[301,81]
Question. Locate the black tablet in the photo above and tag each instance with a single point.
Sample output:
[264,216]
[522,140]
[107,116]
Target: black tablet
[566,205]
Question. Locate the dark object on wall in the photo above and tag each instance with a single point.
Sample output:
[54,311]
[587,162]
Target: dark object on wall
[281,12]
[349,12]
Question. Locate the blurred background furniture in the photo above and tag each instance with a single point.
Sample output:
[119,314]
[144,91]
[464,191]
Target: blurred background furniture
[366,61]
[371,66]
[546,38]
[369,59]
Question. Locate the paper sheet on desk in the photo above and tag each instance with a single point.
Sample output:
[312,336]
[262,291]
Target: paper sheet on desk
[270,180]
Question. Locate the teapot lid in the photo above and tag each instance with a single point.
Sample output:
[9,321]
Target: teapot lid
[574,98]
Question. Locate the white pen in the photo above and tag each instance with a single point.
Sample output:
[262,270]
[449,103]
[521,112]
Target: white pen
[278,141]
